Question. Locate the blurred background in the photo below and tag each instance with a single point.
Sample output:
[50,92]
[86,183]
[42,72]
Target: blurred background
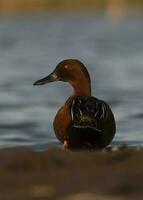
[106,35]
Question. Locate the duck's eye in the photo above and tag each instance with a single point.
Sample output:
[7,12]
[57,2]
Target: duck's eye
[66,66]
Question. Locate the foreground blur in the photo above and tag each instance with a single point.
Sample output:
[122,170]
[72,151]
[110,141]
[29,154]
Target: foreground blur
[100,175]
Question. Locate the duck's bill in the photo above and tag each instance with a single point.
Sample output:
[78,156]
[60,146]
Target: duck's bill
[50,78]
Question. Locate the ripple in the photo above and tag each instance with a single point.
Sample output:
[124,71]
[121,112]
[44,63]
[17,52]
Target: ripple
[23,126]
[111,52]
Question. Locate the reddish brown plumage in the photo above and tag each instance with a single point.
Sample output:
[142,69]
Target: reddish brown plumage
[62,120]
[74,72]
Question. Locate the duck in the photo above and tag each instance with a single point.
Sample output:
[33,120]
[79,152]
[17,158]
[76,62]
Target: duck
[84,121]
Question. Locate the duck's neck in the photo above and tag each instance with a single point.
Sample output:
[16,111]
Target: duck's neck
[81,87]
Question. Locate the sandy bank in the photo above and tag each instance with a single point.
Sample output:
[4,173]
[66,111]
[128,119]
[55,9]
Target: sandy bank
[58,174]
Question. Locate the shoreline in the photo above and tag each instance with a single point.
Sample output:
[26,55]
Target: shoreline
[62,174]
[109,7]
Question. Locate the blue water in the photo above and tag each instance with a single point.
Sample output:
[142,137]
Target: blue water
[31,47]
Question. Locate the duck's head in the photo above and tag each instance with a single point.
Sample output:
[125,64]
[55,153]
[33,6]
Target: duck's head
[72,71]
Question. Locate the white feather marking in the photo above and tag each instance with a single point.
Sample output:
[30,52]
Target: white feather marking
[80,112]
[79,126]
[72,108]
[96,114]
[103,112]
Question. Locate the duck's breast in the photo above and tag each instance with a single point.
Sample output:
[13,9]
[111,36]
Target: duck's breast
[62,120]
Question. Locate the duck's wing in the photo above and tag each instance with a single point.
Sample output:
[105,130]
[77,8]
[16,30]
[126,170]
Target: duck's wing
[88,112]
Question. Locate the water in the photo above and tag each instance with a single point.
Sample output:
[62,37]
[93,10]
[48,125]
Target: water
[31,47]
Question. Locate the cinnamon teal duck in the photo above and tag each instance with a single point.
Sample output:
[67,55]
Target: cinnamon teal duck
[84,121]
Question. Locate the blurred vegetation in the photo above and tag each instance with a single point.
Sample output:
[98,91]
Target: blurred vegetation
[35,6]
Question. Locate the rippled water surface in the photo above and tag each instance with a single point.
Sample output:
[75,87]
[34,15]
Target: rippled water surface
[31,47]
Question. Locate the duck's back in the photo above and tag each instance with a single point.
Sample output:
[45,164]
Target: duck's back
[93,123]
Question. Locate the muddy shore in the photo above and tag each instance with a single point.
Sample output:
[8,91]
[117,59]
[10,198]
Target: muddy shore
[59,174]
